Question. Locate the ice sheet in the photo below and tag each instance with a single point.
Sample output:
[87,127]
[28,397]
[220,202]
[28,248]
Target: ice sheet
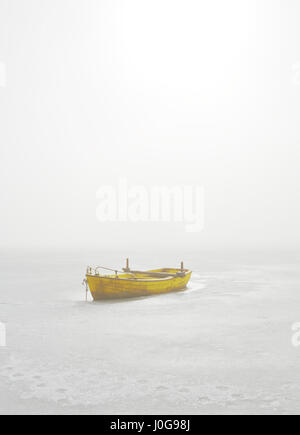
[222,346]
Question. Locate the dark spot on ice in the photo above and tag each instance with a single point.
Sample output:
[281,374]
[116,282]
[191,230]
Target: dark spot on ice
[184,390]
[61,390]
[161,388]
[222,387]
[203,399]
[237,396]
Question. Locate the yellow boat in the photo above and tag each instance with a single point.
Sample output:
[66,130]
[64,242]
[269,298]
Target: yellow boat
[133,283]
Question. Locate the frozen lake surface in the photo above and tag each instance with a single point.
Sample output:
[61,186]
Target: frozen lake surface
[222,346]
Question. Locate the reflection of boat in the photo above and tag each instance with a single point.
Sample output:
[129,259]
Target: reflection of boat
[134,283]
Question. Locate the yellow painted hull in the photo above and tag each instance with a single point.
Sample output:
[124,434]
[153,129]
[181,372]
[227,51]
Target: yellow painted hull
[124,286]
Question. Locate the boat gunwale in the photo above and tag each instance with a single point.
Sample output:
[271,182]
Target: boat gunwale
[139,279]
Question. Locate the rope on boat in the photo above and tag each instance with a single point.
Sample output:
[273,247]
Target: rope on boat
[107,268]
[112,270]
[84,282]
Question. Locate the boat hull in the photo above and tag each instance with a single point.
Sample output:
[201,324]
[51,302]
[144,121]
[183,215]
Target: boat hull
[123,286]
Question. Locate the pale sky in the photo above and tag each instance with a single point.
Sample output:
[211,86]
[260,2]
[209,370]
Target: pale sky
[164,92]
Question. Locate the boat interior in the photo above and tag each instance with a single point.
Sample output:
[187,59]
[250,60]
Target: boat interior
[164,273]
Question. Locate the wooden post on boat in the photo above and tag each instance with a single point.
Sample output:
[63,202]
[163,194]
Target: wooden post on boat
[127,268]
